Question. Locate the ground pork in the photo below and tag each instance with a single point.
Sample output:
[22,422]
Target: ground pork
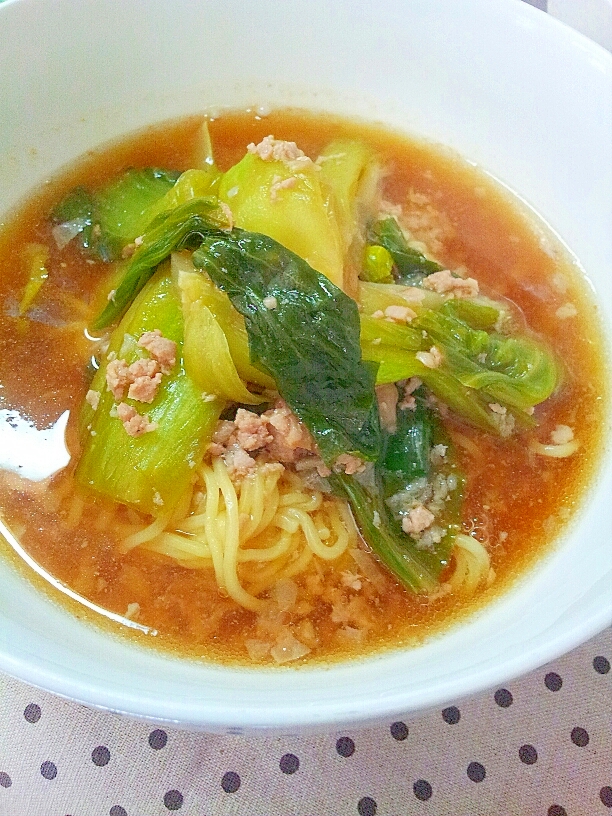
[417,520]
[271,149]
[445,283]
[134,423]
[277,433]
[349,464]
[117,378]
[431,358]
[160,348]
[145,380]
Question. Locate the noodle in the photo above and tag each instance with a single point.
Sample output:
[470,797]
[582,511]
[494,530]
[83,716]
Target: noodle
[472,565]
[270,521]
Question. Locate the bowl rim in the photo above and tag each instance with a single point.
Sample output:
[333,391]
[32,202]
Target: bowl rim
[271,715]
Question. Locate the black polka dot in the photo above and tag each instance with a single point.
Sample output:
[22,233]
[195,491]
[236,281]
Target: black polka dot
[32,713]
[366,806]
[399,731]
[289,763]
[230,782]
[476,772]
[528,754]
[5,780]
[117,810]
[345,746]
[48,770]
[422,790]
[579,737]
[553,682]
[451,715]
[100,755]
[173,800]
[556,810]
[601,664]
[503,698]
[158,739]
[605,794]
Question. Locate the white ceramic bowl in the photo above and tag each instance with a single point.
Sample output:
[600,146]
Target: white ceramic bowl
[519,94]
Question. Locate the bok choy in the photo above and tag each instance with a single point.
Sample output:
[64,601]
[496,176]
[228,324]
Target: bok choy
[154,471]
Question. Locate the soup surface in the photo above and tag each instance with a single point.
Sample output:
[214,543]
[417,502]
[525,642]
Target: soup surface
[520,482]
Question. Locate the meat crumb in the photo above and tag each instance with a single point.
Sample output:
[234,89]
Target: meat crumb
[279,184]
[270,302]
[408,402]
[417,520]
[271,149]
[250,431]
[349,464]
[93,398]
[399,314]
[135,424]
[351,581]
[561,435]
[431,358]
[146,378]
[117,378]
[444,283]
[160,349]
[228,214]
[504,421]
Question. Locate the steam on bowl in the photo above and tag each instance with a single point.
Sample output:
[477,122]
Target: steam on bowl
[510,90]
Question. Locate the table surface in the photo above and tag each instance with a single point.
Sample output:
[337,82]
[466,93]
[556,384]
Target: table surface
[542,746]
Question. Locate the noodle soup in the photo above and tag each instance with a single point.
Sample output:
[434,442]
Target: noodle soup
[215,495]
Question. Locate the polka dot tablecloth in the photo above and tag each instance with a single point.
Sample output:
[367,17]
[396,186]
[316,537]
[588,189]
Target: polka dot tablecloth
[540,746]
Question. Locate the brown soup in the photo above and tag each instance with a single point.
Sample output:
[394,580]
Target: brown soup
[516,502]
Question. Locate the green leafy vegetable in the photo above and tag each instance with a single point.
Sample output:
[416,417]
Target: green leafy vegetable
[377,264]
[517,372]
[404,476]
[183,226]
[394,549]
[411,265]
[74,218]
[36,258]
[121,208]
[151,472]
[230,320]
[206,351]
[405,452]
[287,202]
[304,331]
[106,221]
[352,172]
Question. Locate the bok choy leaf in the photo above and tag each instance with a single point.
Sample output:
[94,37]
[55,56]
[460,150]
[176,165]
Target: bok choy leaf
[411,266]
[151,472]
[304,331]
[183,226]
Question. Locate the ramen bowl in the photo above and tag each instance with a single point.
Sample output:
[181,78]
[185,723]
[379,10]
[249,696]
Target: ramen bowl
[511,90]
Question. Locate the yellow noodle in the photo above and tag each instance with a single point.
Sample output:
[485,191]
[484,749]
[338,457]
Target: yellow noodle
[211,526]
[556,451]
[178,546]
[472,565]
[253,533]
[145,534]
[232,541]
